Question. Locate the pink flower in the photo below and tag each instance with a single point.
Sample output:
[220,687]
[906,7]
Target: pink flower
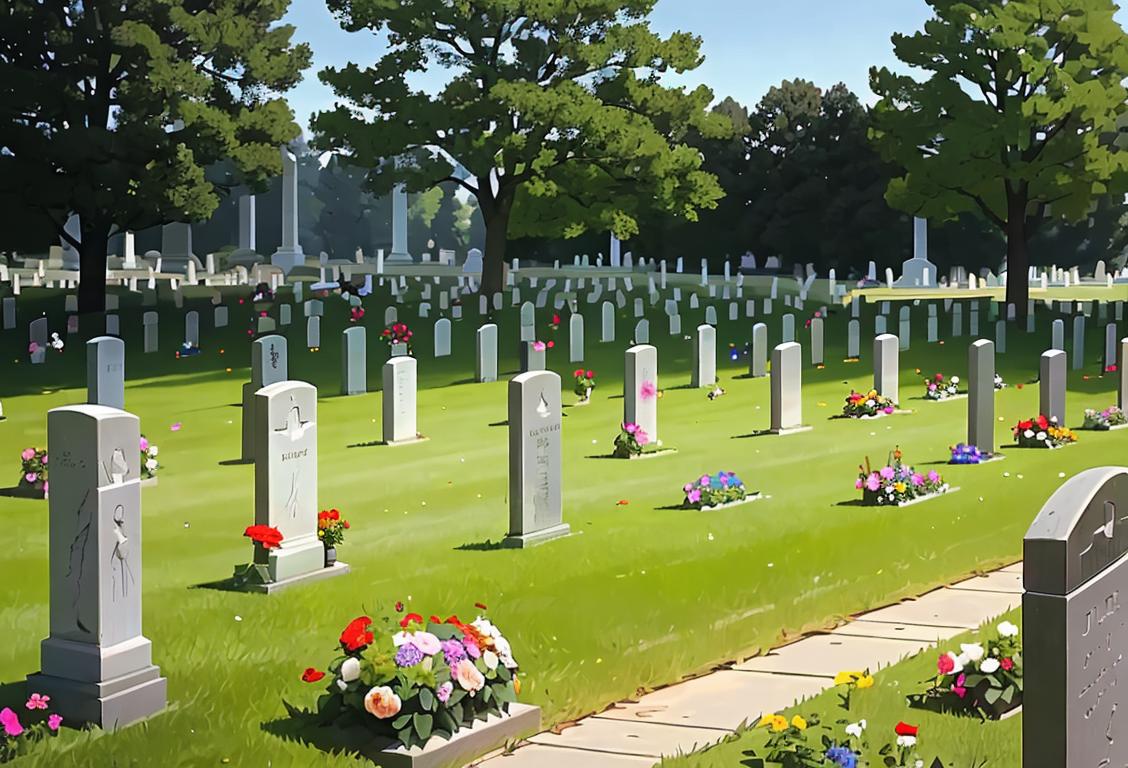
[945,664]
[630,428]
[959,688]
[873,482]
[887,473]
[642,437]
[54,721]
[933,476]
[28,454]
[538,346]
[37,702]
[32,348]
[45,489]
[144,444]
[917,479]
[44,459]
[887,410]
[175,427]
[687,487]
[693,496]
[647,390]
[705,480]
[31,477]
[11,722]
[858,483]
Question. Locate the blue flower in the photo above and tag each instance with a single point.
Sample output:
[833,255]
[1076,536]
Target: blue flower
[843,757]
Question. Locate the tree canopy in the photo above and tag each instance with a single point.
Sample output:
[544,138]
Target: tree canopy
[114,110]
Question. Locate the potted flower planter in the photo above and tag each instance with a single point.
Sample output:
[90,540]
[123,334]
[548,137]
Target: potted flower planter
[399,350]
[330,557]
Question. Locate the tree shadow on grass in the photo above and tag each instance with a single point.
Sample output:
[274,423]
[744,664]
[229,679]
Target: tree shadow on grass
[305,727]
[13,695]
[489,545]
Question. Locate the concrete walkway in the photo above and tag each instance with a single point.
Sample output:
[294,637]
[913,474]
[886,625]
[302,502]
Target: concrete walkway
[698,712]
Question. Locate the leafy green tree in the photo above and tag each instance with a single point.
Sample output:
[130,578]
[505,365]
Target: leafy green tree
[1016,121]
[113,110]
[554,108]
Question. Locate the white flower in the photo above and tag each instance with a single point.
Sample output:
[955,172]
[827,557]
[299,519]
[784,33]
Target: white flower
[342,686]
[855,729]
[1040,436]
[1007,629]
[151,465]
[485,627]
[962,661]
[489,658]
[989,666]
[918,764]
[870,403]
[350,669]
[153,450]
[1029,433]
[955,379]
[906,741]
[504,652]
[973,651]
[400,638]
[958,663]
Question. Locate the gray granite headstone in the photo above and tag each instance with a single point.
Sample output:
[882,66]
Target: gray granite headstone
[150,332]
[485,358]
[399,416]
[1075,567]
[675,325]
[933,325]
[96,665]
[1110,353]
[576,338]
[354,364]
[904,330]
[1057,335]
[391,316]
[1078,342]
[853,339]
[313,331]
[220,316]
[711,315]
[787,387]
[640,388]
[536,503]
[816,341]
[1001,336]
[528,322]
[957,320]
[704,372]
[192,328]
[642,331]
[9,308]
[1051,385]
[105,372]
[788,332]
[37,334]
[607,327]
[758,356]
[973,318]
[442,337]
[981,395]
[113,325]
[880,325]
[285,314]
[286,477]
[269,365]
[887,366]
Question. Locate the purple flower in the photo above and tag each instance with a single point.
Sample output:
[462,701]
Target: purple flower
[444,692]
[887,473]
[693,496]
[933,476]
[453,652]
[917,479]
[472,649]
[873,482]
[408,655]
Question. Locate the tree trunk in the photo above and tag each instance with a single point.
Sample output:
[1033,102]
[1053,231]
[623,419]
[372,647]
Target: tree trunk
[497,237]
[1018,260]
[92,271]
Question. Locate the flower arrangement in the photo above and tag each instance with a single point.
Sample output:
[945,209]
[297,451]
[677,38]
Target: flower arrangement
[187,349]
[331,527]
[265,536]
[356,314]
[18,737]
[939,388]
[149,463]
[584,383]
[398,333]
[631,441]
[33,469]
[896,482]
[965,454]
[416,678]
[714,490]
[999,383]
[794,743]
[867,406]
[1107,419]
[1041,432]
[983,678]
[262,293]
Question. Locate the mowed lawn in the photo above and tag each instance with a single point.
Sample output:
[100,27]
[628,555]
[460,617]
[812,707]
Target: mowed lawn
[642,593]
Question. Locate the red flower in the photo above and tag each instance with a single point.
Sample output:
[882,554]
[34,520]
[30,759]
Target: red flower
[270,538]
[590,375]
[945,664]
[312,675]
[357,634]
[1007,664]
[556,319]
[481,606]
[1018,386]
[939,377]
[1043,422]
[410,619]
[904,729]
[551,344]
[345,523]
[578,373]
[1024,425]
[399,606]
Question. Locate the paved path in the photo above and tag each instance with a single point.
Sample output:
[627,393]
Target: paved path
[690,715]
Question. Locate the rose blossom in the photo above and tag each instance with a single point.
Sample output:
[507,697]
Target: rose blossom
[468,676]
[946,664]
[382,702]
[54,721]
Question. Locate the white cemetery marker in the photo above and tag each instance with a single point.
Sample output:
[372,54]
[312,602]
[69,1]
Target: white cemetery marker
[105,372]
[640,389]
[1078,342]
[1051,385]
[313,332]
[1110,354]
[269,365]
[485,359]
[704,357]
[788,334]
[535,460]
[354,357]
[675,325]
[442,337]
[576,338]
[711,315]
[853,339]
[399,409]
[905,329]
[887,366]
[817,341]
[608,322]
[787,388]
[981,395]
[96,665]
[37,336]
[642,332]
[220,316]
[528,322]
[192,328]
[1001,336]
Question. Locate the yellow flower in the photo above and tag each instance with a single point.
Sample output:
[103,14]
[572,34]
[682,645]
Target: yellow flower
[900,487]
[777,723]
[845,678]
[865,681]
[799,723]
[517,685]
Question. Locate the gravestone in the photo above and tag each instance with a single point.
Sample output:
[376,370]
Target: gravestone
[981,395]
[640,389]
[533,356]
[528,322]
[113,325]
[354,361]
[536,504]
[1051,385]
[105,372]
[391,316]
[191,328]
[442,337]
[853,339]
[788,332]
[642,332]
[485,358]
[399,417]
[96,665]
[313,332]
[933,325]
[1073,632]
[37,335]
[150,332]
[704,372]
[576,338]
[880,325]
[220,316]
[285,315]
[787,388]
[711,315]
[1078,342]
[973,319]
[1001,336]
[904,329]
[9,310]
[269,365]
[1110,353]
[758,356]
[887,366]
[286,481]
[608,324]
[957,320]
[817,341]
[675,325]
[1057,335]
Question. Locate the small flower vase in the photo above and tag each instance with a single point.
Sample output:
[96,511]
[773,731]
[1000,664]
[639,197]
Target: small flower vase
[399,350]
[587,395]
[330,556]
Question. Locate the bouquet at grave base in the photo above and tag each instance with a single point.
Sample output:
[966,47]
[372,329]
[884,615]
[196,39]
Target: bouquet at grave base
[398,333]
[983,679]
[331,527]
[584,383]
[356,314]
[414,679]
[870,404]
[896,482]
[149,463]
[714,490]
[1106,419]
[187,349]
[1041,432]
[631,441]
[806,742]
[262,294]
[939,388]
[33,469]
[265,538]
[19,737]
[999,383]
[965,454]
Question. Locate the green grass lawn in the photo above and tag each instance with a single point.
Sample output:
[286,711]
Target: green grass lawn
[640,595]
[963,741]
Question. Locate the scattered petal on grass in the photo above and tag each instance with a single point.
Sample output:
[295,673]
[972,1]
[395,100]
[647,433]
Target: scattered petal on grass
[1061,474]
[710,537]
[622,502]
[175,427]
[238,618]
